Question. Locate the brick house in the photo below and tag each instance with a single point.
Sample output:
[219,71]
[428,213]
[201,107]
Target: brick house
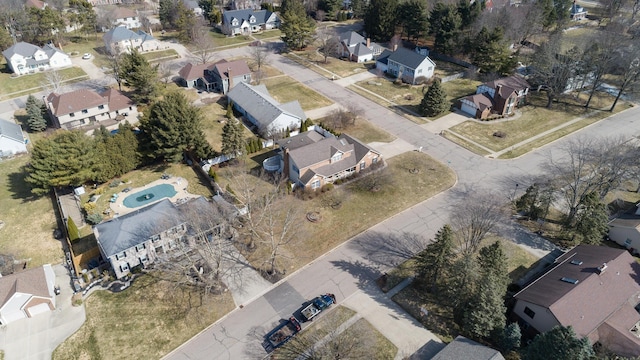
[499,97]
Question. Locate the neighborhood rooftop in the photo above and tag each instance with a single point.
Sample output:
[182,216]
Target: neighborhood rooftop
[10,130]
[31,281]
[463,348]
[120,33]
[257,101]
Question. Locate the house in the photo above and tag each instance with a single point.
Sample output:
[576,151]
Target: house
[244,22]
[311,159]
[193,6]
[11,139]
[594,289]
[625,230]
[577,12]
[410,66]
[497,97]
[35,4]
[355,47]
[269,116]
[463,348]
[86,107]
[24,58]
[158,230]
[121,40]
[27,293]
[122,16]
[226,74]
[216,76]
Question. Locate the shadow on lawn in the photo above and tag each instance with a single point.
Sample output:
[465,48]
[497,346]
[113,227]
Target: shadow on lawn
[18,187]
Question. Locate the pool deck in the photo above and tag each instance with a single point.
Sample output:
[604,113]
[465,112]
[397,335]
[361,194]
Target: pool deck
[179,184]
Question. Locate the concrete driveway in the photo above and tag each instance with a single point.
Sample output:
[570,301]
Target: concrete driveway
[35,338]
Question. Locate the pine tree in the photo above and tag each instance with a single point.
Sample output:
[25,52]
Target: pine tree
[509,338]
[560,343]
[66,158]
[303,126]
[461,285]
[434,101]
[35,116]
[592,220]
[173,126]
[380,19]
[229,114]
[444,24]
[486,310]
[232,138]
[118,153]
[298,29]
[136,72]
[436,259]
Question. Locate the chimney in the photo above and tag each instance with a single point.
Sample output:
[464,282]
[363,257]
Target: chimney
[230,78]
[368,42]
[395,47]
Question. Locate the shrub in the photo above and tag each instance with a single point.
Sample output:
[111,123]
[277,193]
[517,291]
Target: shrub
[115,183]
[89,207]
[100,191]
[74,234]
[327,187]
[94,219]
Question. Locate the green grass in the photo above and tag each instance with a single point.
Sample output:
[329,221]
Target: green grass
[268,34]
[285,89]
[29,222]
[214,120]
[313,60]
[220,39]
[161,55]
[21,85]
[145,321]
[444,68]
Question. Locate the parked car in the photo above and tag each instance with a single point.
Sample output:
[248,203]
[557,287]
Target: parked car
[87,56]
[317,305]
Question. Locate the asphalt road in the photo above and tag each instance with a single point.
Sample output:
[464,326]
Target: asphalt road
[354,265]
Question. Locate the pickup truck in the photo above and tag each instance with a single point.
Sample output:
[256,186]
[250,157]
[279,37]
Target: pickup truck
[282,333]
[317,305]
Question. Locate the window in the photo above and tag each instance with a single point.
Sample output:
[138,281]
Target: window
[374,160]
[100,107]
[627,242]
[419,71]
[315,184]
[140,247]
[155,238]
[122,255]
[336,157]
[85,111]
[362,165]
[530,313]
[124,267]
[72,115]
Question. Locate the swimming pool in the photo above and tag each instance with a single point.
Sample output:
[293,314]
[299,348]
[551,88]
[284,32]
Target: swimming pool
[149,195]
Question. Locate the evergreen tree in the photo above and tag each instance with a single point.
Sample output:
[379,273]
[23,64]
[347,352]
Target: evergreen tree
[48,24]
[559,343]
[592,220]
[359,8]
[136,72]
[434,101]
[461,284]
[412,16]
[118,153]
[493,262]
[168,13]
[509,338]
[232,138]
[303,126]
[5,39]
[83,15]
[490,52]
[380,19]
[72,229]
[436,259]
[173,126]
[469,12]
[445,23]
[35,116]
[63,159]
[298,29]
[229,113]
[185,23]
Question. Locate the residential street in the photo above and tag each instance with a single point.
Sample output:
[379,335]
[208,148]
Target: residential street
[352,268]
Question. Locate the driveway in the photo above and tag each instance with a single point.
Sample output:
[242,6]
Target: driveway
[35,338]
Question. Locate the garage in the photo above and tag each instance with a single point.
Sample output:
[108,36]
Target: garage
[38,309]
[468,109]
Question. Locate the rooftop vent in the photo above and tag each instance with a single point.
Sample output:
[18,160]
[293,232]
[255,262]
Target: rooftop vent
[600,269]
[570,280]
[576,262]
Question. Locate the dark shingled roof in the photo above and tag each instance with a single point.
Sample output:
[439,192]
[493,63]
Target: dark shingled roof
[302,139]
[481,101]
[261,16]
[33,281]
[11,130]
[595,297]
[407,57]
[75,101]
[464,349]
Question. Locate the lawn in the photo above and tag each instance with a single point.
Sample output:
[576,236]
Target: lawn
[214,120]
[359,209]
[535,118]
[444,68]
[161,55]
[145,321]
[285,89]
[364,131]
[268,34]
[143,176]
[220,39]
[31,83]
[28,223]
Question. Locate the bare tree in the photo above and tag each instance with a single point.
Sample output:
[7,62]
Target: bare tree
[343,117]
[628,61]
[165,72]
[259,58]
[600,59]
[328,42]
[52,82]
[473,218]
[205,45]
[115,64]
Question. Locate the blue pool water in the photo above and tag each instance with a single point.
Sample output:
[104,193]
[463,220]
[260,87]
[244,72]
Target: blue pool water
[149,195]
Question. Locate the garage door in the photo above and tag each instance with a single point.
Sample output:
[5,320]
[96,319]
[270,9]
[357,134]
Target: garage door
[14,315]
[38,309]
[468,109]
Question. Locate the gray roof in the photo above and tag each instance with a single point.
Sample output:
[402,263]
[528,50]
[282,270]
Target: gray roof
[302,139]
[120,33]
[134,228]
[11,130]
[463,348]
[383,58]
[261,16]
[256,101]
[408,58]
[21,48]
[351,38]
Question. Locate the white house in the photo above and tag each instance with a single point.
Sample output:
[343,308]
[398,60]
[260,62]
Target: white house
[126,17]
[86,107]
[121,40]
[24,58]
[269,116]
[410,66]
[248,21]
[625,230]
[27,293]
[11,139]
[357,48]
